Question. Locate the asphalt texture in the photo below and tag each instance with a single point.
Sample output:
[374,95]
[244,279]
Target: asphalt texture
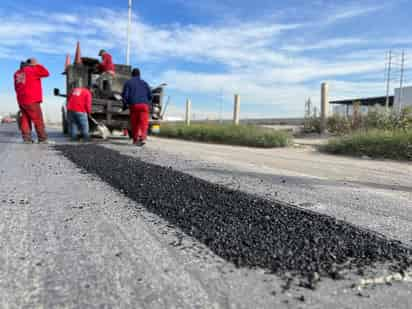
[70,240]
[244,229]
[375,194]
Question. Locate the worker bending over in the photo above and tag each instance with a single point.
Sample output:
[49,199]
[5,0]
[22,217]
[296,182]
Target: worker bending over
[137,96]
[28,87]
[107,70]
[79,106]
[106,66]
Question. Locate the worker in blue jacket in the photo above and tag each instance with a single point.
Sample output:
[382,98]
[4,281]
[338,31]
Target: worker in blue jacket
[137,97]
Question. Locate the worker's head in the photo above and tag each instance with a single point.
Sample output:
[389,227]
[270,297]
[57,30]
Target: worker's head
[102,52]
[32,61]
[136,72]
[23,64]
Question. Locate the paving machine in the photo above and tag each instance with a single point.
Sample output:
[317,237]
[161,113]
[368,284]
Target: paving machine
[107,114]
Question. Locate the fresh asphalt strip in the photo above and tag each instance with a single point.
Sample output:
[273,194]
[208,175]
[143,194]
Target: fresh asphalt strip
[241,228]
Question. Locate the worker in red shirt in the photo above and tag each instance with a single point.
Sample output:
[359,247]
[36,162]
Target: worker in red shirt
[79,106]
[106,66]
[28,87]
[107,70]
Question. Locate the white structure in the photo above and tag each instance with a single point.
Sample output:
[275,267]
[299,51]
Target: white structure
[403,98]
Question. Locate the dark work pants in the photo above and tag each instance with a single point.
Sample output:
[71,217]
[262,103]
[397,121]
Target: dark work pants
[79,122]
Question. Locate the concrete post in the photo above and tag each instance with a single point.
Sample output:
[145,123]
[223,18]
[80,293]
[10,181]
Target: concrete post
[236,111]
[188,111]
[324,107]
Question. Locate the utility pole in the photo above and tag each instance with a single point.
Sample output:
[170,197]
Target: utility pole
[129,26]
[324,107]
[388,81]
[188,112]
[236,110]
[401,81]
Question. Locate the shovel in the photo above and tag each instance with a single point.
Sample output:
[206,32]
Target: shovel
[103,130]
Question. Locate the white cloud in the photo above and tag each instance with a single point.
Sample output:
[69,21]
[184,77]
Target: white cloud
[349,11]
[326,44]
[345,89]
[233,45]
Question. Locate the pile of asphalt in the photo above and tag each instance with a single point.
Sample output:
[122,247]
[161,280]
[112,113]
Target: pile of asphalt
[241,228]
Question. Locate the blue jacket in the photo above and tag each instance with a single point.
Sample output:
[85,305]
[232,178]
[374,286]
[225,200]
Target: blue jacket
[136,91]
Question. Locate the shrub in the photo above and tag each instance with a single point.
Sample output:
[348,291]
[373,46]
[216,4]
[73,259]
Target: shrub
[312,125]
[339,124]
[405,119]
[377,118]
[395,144]
[244,135]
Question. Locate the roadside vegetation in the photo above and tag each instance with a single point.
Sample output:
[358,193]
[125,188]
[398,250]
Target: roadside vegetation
[380,134]
[395,145]
[242,135]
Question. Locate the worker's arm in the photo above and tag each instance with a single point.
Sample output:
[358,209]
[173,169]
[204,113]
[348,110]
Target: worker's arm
[125,96]
[89,99]
[15,82]
[149,93]
[41,71]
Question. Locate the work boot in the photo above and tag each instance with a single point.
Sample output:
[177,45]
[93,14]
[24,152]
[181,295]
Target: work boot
[140,143]
[47,142]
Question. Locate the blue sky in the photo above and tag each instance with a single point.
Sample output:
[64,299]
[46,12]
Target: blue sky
[273,53]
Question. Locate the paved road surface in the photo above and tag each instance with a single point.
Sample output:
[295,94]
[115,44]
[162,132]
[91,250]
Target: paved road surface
[67,240]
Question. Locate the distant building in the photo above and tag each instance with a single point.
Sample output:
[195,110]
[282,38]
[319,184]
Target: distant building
[345,107]
[403,98]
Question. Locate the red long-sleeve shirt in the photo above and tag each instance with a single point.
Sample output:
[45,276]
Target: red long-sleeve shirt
[20,85]
[80,101]
[27,83]
[107,64]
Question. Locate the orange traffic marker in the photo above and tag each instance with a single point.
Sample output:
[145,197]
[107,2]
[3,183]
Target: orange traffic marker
[67,62]
[78,57]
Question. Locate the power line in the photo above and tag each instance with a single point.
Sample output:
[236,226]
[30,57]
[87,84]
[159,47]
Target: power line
[401,81]
[388,83]
[395,72]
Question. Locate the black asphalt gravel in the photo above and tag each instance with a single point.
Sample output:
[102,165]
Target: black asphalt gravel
[244,229]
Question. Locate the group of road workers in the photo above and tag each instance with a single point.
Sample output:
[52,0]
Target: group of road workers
[136,97]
